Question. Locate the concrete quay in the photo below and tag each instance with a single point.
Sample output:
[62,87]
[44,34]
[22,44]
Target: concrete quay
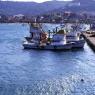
[90,38]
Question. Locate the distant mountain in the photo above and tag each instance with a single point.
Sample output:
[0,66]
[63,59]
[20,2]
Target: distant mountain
[33,8]
[29,8]
[78,6]
[81,6]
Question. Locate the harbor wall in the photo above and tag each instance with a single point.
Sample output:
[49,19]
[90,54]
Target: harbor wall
[89,37]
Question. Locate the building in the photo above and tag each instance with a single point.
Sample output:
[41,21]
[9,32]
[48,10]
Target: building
[19,17]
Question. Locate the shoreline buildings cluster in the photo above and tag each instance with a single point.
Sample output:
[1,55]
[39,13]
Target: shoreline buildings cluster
[53,17]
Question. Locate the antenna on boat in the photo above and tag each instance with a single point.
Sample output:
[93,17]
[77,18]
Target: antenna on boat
[77,25]
[62,21]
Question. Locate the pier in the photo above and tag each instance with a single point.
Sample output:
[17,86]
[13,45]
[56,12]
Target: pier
[90,38]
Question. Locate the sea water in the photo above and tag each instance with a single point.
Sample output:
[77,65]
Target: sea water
[40,72]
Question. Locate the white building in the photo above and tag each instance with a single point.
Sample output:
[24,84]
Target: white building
[19,16]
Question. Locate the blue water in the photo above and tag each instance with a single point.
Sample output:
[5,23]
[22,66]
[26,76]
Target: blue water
[37,72]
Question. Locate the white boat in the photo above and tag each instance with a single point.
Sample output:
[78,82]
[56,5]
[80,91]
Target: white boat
[76,39]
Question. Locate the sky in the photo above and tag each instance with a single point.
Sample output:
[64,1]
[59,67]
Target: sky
[39,1]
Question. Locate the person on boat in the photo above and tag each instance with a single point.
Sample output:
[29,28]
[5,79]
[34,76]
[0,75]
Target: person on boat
[39,37]
[43,38]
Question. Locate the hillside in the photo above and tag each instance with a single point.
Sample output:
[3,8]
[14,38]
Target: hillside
[29,8]
[33,8]
[81,6]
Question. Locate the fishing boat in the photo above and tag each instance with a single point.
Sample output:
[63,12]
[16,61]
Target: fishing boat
[76,39]
[60,40]
[75,36]
[41,40]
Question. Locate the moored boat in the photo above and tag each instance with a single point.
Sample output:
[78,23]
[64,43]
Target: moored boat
[60,40]
[76,39]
